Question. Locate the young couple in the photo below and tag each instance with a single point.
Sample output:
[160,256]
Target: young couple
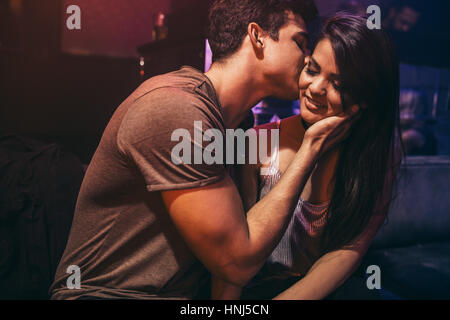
[145,228]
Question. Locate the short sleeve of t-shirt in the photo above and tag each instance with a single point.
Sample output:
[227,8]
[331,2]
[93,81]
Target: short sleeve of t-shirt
[162,136]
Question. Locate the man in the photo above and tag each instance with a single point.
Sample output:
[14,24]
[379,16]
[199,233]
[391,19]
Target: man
[403,16]
[145,227]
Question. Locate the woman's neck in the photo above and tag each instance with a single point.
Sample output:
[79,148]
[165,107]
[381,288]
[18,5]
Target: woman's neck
[319,187]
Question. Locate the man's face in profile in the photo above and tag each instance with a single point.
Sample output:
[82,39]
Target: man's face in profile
[405,19]
[284,59]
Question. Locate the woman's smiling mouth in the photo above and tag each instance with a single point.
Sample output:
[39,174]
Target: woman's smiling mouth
[312,105]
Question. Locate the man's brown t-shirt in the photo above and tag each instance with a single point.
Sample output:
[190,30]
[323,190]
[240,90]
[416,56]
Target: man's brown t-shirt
[122,237]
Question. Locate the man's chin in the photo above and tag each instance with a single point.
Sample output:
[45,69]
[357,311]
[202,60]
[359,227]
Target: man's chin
[292,95]
[284,91]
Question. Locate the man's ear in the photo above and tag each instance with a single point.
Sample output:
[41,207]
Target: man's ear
[256,35]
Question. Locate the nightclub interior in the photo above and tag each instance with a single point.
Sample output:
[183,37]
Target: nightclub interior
[66,66]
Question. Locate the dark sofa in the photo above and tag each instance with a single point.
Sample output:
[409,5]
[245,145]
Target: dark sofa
[412,249]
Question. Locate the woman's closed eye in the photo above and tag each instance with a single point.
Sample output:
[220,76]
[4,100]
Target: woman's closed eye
[310,71]
[334,83]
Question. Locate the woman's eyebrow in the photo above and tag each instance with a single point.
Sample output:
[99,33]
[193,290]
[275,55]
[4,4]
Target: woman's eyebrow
[315,63]
[335,76]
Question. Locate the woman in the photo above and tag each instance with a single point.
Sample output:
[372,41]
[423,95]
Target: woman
[347,196]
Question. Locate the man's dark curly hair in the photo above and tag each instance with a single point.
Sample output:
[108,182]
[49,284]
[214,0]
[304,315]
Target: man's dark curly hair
[229,19]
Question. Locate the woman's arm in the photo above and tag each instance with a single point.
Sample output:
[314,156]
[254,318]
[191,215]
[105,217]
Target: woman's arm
[325,276]
[334,268]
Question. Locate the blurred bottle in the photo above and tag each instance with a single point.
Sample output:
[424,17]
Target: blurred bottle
[160,30]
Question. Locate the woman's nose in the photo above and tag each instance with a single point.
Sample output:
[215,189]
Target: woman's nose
[317,87]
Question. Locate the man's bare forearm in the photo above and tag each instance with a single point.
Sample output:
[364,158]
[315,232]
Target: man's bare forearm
[267,219]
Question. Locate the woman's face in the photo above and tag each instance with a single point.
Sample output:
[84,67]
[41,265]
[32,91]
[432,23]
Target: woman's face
[319,85]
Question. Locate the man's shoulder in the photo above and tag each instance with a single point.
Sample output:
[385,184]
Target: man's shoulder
[186,90]
[183,81]
[171,106]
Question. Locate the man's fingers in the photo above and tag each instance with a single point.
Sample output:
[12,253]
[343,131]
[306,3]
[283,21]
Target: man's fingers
[347,122]
[350,115]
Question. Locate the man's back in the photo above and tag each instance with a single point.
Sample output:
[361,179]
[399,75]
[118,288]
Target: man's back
[122,237]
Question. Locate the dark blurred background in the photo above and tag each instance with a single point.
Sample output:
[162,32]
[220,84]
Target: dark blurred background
[63,85]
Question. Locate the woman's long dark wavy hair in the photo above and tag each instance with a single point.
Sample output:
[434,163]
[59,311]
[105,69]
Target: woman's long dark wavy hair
[369,72]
